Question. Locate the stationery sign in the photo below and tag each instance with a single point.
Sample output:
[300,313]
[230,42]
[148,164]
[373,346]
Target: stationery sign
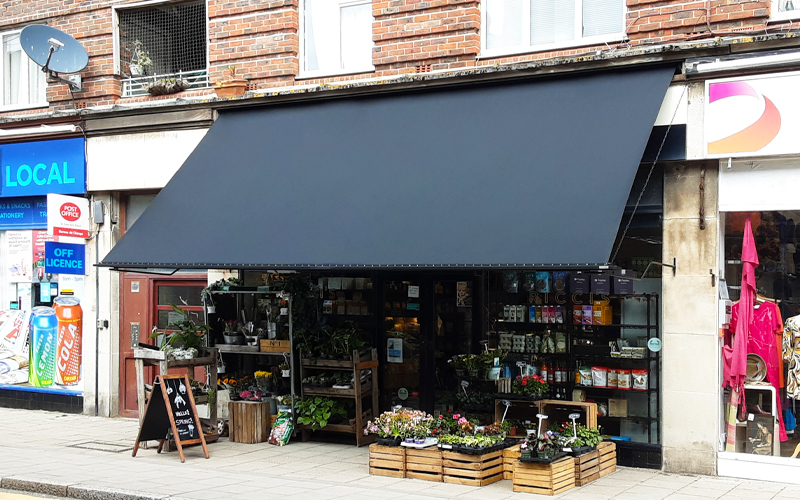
[64,258]
[42,167]
[23,213]
[67,216]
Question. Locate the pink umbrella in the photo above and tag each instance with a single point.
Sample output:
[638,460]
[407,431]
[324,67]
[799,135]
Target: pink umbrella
[735,358]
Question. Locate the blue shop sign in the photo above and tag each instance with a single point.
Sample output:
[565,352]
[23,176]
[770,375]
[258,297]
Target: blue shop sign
[23,213]
[64,258]
[38,168]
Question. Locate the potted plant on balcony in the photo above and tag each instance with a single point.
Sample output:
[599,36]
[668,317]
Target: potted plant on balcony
[233,87]
[140,63]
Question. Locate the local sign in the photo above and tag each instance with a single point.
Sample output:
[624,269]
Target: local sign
[42,167]
[67,216]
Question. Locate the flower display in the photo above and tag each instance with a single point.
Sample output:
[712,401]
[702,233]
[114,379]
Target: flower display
[529,385]
[402,424]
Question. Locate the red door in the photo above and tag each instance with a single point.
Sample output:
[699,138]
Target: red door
[144,304]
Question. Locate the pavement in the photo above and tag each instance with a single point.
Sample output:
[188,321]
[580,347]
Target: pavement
[77,456]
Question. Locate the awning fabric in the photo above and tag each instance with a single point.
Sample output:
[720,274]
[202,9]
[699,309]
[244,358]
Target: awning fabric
[504,175]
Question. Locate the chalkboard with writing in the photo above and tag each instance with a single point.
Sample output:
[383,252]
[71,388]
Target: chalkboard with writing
[171,407]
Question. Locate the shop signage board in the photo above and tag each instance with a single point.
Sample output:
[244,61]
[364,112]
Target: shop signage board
[19,256]
[171,407]
[752,116]
[64,258]
[42,167]
[28,212]
[67,216]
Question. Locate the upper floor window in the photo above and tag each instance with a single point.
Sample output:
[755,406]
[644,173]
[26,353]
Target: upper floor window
[337,37]
[513,26]
[24,84]
[162,40]
[785,9]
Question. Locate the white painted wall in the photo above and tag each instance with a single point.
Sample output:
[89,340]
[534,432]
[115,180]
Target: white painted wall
[138,161]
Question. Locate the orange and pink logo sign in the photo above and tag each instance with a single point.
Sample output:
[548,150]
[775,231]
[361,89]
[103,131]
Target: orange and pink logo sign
[753,116]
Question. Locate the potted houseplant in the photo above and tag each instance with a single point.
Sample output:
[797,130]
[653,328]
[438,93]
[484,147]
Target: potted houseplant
[458,364]
[233,87]
[284,367]
[284,403]
[530,385]
[316,412]
[140,63]
[182,339]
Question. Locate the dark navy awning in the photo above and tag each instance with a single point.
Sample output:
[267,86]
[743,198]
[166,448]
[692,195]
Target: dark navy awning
[504,175]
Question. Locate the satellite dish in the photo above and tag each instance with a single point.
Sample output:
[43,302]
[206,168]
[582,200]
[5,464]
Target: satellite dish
[55,51]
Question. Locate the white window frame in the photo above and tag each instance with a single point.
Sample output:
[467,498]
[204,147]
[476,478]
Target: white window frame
[302,73]
[577,41]
[776,15]
[14,107]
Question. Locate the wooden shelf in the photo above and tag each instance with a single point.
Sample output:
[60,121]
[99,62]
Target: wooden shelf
[366,390]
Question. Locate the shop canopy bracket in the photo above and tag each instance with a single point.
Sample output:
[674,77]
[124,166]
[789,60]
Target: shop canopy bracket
[673,266]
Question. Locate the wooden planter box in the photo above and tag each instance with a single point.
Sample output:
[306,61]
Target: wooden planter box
[607,452]
[249,421]
[387,460]
[558,411]
[510,456]
[587,468]
[425,464]
[274,345]
[544,479]
[472,470]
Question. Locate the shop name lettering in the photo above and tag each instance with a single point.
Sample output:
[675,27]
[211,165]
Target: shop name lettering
[63,260]
[560,298]
[39,174]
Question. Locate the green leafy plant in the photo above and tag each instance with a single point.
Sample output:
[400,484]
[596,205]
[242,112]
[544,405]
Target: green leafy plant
[529,385]
[184,333]
[583,437]
[478,441]
[317,411]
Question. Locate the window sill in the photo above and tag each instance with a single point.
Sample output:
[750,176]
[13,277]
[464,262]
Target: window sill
[785,16]
[24,107]
[307,75]
[551,47]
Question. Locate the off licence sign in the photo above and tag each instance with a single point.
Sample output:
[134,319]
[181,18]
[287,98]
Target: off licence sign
[67,216]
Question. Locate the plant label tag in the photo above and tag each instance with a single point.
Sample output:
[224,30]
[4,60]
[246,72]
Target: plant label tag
[521,363]
[464,383]
[574,415]
[507,402]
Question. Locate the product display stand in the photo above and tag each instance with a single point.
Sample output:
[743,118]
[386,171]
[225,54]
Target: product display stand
[358,392]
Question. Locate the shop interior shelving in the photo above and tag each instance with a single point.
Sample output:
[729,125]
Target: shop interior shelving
[644,406]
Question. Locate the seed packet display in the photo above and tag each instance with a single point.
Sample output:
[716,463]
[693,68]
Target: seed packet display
[511,282]
[542,281]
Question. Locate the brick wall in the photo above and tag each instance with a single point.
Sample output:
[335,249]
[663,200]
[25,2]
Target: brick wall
[261,37]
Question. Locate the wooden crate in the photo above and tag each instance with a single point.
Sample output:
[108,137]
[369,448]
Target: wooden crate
[248,421]
[425,464]
[558,411]
[274,345]
[387,460]
[587,468]
[472,470]
[608,457]
[544,479]
[510,456]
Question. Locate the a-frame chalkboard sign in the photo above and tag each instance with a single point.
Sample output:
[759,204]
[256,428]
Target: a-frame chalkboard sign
[171,406]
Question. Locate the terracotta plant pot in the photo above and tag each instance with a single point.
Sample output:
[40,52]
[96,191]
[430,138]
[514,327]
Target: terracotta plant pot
[231,88]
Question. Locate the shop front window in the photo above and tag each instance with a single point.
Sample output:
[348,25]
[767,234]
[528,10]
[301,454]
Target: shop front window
[764,421]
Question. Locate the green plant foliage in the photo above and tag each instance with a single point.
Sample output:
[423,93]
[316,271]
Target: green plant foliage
[317,411]
[184,333]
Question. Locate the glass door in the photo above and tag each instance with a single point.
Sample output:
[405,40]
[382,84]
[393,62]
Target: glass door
[401,343]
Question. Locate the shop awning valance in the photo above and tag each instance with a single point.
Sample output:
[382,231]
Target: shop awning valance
[525,174]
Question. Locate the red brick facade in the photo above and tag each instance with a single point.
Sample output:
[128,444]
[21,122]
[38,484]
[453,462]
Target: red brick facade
[261,38]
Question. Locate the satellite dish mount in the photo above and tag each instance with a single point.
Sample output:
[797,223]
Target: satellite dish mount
[74,81]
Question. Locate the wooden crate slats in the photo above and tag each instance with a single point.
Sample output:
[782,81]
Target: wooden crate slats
[387,460]
[425,464]
[473,470]
[544,479]
[587,468]
[607,457]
